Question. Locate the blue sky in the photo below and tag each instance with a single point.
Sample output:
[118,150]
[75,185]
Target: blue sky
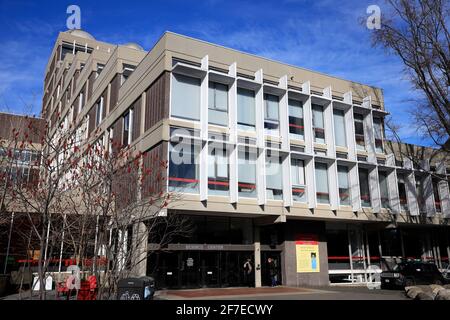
[321,35]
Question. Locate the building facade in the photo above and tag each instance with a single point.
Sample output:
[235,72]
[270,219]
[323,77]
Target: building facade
[268,160]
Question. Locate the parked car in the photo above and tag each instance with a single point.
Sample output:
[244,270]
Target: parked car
[407,274]
[446,274]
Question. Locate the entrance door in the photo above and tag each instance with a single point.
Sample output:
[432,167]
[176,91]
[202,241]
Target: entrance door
[210,269]
[265,272]
[232,268]
[189,271]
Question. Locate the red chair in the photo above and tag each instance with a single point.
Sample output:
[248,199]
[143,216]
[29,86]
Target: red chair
[88,289]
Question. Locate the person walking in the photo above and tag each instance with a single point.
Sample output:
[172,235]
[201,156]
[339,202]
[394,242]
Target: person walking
[248,269]
[272,272]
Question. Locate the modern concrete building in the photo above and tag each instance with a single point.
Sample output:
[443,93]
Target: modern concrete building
[270,160]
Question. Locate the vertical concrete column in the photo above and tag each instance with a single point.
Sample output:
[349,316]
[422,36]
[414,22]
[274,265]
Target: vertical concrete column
[284,114]
[329,130]
[233,161]
[444,193]
[354,188]
[350,134]
[286,176]
[310,179]
[394,200]
[307,120]
[374,185]
[261,176]
[257,258]
[259,105]
[334,186]
[140,249]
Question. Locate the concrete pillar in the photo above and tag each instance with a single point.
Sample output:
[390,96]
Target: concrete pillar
[257,258]
[140,243]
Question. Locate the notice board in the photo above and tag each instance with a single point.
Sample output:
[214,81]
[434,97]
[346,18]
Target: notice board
[307,251]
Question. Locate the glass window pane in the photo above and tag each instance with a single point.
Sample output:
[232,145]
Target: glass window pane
[246,109]
[271,109]
[296,124]
[185,97]
[384,190]
[183,168]
[364,187]
[322,183]
[339,128]
[344,186]
[247,174]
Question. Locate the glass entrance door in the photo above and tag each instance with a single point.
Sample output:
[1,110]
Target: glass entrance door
[210,269]
[189,270]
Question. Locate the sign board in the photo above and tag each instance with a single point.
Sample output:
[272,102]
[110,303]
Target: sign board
[307,251]
[190,262]
[48,283]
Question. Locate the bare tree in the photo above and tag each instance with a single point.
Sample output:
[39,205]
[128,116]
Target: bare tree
[417,32]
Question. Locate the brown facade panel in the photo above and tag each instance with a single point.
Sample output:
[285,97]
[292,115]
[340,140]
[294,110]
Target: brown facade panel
[117,135]
[91,84]
[105,102]
[137,119]
[154,170]
[157,102]
[114,95]
[30,129]
[91,124]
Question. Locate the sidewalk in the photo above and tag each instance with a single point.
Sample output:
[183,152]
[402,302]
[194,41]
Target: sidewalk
[238,293]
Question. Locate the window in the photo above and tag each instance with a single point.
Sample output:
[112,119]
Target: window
[100,68]
[364,187]
[274,184]
[420,193]
[339,128]
[246,106]
[183,168]
[384,189]
[437,198]
[296,125]
[127,128]
[127,71]
[218,172]
[218,104]
[402,192]
[247,174]
[378,131]
[322,192]
[185,97]
[271,114]
[318,124]
[298,180]
[344,186]
[359,132]
[99,112]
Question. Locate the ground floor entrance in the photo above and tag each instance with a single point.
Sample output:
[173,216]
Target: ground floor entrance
[197,269]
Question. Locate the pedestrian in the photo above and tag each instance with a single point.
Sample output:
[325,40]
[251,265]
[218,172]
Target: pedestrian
[272,272]
[248,269]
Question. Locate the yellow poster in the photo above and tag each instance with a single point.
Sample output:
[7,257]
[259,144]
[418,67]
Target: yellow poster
[307,256]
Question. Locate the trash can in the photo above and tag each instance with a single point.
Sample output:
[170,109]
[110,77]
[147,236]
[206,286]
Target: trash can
[136,289]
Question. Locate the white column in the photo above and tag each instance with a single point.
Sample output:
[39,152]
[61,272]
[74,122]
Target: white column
[444,193]
[204,87]
[287,188]
[284,114]
[261,176]
[428,190]
[334,186]
[310,180]
[369,138]
[350,134]
[394,198]
[307,120]
[354,187]
[374,184]
[329,130]
[233,160]
[411,194]
[259,101]
[232,105]
[203,184]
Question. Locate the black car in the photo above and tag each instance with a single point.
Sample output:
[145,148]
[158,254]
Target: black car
[407,274]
